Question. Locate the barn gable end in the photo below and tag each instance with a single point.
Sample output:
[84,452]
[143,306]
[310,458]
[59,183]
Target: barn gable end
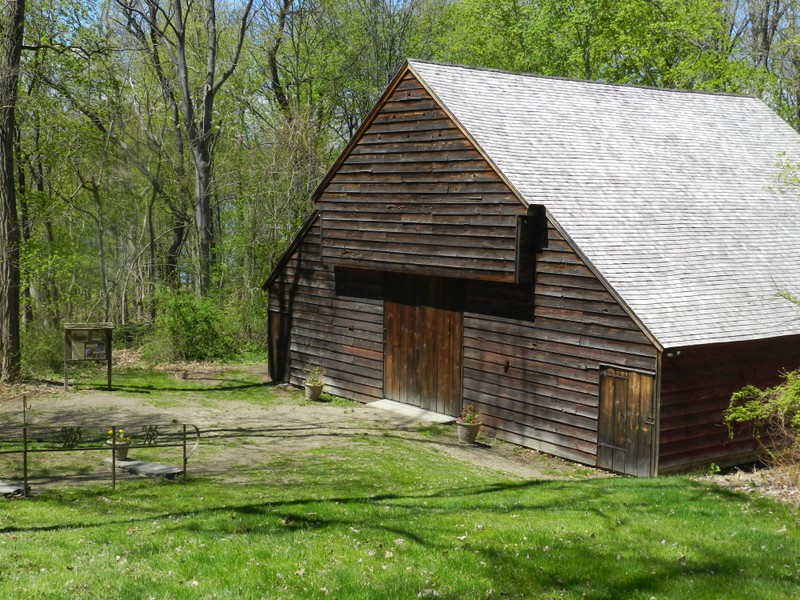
[413,195]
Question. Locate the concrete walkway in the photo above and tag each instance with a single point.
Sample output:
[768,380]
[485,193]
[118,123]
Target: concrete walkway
[413,412]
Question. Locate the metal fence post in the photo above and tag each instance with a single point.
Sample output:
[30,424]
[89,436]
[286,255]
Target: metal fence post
[25,461]
[184,453]
[113,457]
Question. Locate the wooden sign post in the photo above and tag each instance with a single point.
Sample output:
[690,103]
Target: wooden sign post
[87,342]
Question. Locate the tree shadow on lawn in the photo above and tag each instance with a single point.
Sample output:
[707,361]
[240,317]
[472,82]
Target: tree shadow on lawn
[234,385]
[543,562]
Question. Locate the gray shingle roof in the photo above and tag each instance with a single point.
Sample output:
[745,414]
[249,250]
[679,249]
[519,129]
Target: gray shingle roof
[670,195]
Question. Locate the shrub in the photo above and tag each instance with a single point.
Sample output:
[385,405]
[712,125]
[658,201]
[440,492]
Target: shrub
[131,335]
[189,327]
[773,414]
[42,350]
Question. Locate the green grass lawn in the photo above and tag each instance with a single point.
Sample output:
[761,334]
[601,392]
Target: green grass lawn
[164,390]
[386,517]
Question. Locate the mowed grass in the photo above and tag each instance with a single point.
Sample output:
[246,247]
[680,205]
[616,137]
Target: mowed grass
[387,517]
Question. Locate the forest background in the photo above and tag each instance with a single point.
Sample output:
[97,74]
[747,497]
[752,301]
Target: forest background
[157,156]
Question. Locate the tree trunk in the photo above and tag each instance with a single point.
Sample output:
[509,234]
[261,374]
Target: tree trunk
[25,226]
[202,211]
[196,105]
[13,26]
[94,189]
[765,17]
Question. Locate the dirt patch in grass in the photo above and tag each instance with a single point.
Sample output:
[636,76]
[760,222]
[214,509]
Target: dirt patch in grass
[240,438]
[778,483]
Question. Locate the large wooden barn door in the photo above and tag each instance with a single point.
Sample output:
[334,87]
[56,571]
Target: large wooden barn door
[626,422]
[423,321]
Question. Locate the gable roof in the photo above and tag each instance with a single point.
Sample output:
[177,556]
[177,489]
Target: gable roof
[669,195]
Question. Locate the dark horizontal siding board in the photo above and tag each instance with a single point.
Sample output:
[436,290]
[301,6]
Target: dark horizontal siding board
[533,363]
[497,399]
[696,386]
[398,104]
[409,120]
[367,182]
[419,190]
[514,369]
[565,281]
[568,390]
[412,134]
[387,212]
[478,234]
[596,331]
[562,343]
[586,458]
[419,266]
[341,332]
[400,234]
[433,156]
[578,451]
[409,83]
[423,168]
[411,148]
[448,254]
[415,196]
[400,175]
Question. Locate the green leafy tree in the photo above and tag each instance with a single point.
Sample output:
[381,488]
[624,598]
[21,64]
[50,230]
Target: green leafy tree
[671,43]
[193,36]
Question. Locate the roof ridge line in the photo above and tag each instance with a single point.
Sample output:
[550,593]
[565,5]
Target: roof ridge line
[597,82]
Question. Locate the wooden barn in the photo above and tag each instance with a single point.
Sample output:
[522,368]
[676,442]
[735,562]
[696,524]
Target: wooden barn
[596,267]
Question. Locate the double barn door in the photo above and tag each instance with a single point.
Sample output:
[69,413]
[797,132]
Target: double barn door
[423,323]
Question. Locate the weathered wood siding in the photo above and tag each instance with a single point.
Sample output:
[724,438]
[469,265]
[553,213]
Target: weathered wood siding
[423,343]
[415,196]
[335,318]
[532,354]
[696,387]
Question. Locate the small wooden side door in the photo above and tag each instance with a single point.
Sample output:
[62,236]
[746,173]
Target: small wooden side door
[626,423]
[423,340]
[279,331]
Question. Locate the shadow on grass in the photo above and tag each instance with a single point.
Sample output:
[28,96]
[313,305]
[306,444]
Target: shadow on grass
[543,558]
[234,385]
[269,506]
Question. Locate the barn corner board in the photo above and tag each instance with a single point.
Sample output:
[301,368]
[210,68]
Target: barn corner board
[594,266]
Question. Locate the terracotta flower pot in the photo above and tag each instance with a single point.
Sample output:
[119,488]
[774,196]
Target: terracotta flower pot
[467,432]
[120,449]
[313,391]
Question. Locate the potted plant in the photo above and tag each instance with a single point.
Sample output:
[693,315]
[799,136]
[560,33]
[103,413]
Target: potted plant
[314,382]
[468,424]
[120,442]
